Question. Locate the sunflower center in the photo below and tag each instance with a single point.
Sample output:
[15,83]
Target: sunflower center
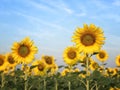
[71,54]
[88,39]
[1,61]
[48,60]
[11,60]
[101,55]
[95,65]
[23,50]
[119,60]
[40,67]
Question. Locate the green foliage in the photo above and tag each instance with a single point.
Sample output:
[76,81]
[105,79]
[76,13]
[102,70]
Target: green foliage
[16,81]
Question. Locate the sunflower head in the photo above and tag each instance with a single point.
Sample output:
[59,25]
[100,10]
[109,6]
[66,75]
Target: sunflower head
[88,39]
[1,60]
[65,72]
[3,63]
[23,52]
[102,56]
[118,60]
[71,55]
[114,88]
[40,69]
[49,60]
[111,71]
[76,70]
[11,62]
[54,68]
[94,66]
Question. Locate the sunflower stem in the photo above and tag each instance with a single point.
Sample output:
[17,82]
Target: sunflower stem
[25,78]
[69,85]
[87,71]
[2,80]
[56,84]
[44,84]
[96,85]
[103,72]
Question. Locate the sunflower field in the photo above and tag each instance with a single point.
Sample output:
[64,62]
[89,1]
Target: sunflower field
[20,70]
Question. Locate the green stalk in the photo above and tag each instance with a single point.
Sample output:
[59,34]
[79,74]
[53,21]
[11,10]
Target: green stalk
[44,84]
[25,78]
[26,83]
[56,84]
[69,85]
[87,71]
[96,85]
[103,72]
[2,80]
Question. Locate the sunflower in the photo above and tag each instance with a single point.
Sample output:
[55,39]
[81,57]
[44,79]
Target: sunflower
[11,62]
[3,63]
[76,70]
[40,68]
[101,69]
[118,60]
[89,39]
[65,72]
[71,55]
[23,52]
[102,56]
[111,71]
[54,68]
[114,88]
[26,69]
[49,60]
[94,66]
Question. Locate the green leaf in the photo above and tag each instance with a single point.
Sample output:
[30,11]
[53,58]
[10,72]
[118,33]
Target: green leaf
[61,66]
[33,66]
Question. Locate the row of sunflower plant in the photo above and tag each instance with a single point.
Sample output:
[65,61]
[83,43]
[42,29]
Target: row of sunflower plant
[20,70]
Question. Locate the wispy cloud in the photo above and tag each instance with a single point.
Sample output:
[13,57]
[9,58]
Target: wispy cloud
[68,10]
[59,6]
[40,6]
[36,20]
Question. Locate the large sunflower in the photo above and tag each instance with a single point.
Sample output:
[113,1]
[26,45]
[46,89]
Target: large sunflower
[71,55]
[118,60]
[40,68]
[49,60]
[11,62]
[3,63]
[102,56]
[23,52]
[89,39]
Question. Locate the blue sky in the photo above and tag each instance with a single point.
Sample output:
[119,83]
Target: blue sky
[51,23]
